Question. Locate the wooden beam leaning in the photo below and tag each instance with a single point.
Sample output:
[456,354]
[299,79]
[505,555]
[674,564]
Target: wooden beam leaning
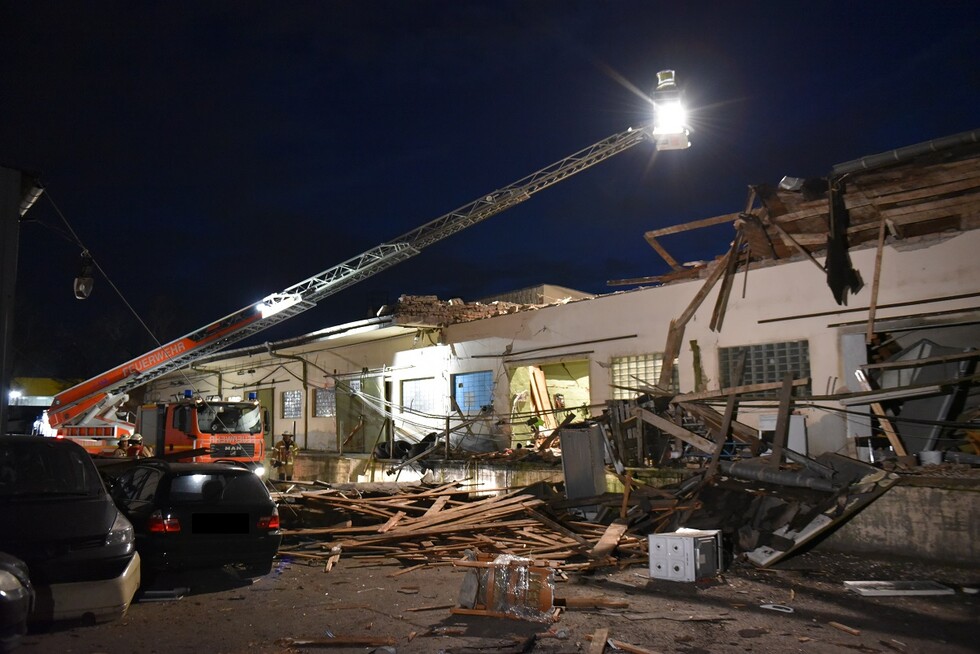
[676,431]
[782,421]
[873,303]
[671,261]
[879,411]
[721,436]
[676,332]
[694,224]
[725,291]
[740,432]
[796,244]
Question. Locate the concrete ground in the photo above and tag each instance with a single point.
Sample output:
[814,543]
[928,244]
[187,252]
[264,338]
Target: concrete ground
[389,608]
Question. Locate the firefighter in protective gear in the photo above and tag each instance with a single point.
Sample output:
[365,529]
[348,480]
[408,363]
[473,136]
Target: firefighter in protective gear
[136,448]
[121,449]
[285,453]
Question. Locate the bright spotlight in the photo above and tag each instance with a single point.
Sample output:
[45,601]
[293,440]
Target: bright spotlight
[669,116]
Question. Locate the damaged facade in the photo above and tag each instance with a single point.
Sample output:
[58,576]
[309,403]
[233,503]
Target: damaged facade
[841,324]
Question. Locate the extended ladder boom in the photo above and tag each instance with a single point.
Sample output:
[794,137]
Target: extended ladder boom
[70,405]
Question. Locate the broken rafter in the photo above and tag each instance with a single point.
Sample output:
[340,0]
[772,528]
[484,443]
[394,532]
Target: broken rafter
[676,332]
[676,431]
[652,235]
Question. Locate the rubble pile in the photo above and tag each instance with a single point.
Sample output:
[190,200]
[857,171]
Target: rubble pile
[420,525]
[430,310]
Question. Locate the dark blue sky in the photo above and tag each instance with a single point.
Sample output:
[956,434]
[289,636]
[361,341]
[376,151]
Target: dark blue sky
[211,153]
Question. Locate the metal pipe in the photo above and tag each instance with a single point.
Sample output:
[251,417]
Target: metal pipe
[813,466]
[902,154]
[755,472]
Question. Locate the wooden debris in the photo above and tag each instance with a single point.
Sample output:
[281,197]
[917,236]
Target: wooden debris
[680,617]
[610,539]
[437,607]
[600,645]
[340,641]
[599,638]
[845,628]
[591,603]
[632,649]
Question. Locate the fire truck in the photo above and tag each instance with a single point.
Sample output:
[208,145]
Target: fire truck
[234,430]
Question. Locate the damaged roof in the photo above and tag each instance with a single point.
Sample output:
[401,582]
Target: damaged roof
[919,190]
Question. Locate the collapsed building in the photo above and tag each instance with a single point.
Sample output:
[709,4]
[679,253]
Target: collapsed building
[829,351]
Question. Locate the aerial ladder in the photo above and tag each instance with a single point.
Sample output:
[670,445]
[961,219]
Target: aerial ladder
[84,409]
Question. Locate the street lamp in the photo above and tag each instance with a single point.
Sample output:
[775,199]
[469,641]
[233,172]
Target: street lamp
[669,116]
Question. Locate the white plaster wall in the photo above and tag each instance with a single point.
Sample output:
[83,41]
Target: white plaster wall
[778,305]
[774,299]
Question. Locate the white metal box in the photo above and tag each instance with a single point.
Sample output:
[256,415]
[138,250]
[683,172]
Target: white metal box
[685,555]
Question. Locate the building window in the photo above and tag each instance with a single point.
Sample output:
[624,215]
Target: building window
[473,391]
[292,404]
[421,396]
[639,370]
[324,402]
[764,364]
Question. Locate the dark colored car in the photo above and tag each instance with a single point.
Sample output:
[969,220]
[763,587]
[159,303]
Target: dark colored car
[199,515]
[16,601]
[57,517]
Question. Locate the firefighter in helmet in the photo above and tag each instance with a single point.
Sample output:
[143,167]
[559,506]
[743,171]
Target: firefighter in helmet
[136,448]
[122,448]
[285,453]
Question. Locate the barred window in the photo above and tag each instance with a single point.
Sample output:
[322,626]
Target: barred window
[292,404]
[765,363]
[325,402]
[473,391]
[421,396]
[638,370]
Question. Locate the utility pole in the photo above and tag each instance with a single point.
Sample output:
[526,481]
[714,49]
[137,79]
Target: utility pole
[18,192]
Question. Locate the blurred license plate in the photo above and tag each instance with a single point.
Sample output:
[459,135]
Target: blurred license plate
[219,523]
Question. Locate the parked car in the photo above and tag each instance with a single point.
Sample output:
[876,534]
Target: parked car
[256,467]
[59,519]
[199,515]
[16,601]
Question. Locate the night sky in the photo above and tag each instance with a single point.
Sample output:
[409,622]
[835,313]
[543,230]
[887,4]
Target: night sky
[210,153]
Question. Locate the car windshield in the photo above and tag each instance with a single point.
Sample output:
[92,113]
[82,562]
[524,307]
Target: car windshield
[45,467]
[227,417]
[217,487]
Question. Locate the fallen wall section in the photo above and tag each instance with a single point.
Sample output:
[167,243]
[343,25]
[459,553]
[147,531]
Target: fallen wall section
[929,522]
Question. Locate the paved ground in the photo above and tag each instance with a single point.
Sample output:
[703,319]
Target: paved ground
[359,599]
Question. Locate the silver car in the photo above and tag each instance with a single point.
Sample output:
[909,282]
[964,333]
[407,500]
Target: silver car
[59,519]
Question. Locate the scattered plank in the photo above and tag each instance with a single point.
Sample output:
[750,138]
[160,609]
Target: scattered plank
[599,638]
[845,628]
[591,602]
[632,649]
[610,539]
[340,641]
[680,617]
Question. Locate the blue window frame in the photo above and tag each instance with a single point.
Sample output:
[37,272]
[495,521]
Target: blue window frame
[473,391]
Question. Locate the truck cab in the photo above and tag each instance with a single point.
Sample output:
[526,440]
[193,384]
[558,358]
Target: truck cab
[229,430]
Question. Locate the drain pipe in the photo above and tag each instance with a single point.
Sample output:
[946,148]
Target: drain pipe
[764,473]
[306,390]
[903,154]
